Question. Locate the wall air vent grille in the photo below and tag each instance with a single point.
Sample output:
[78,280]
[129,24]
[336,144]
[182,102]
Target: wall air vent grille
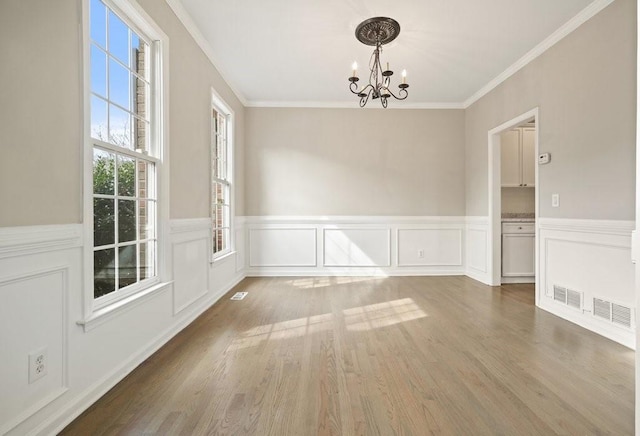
[574,299]
[567,296]
[560,294]
[602,309]
[621,315]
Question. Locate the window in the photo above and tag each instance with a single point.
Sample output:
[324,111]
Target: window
[125,155]
[220,179]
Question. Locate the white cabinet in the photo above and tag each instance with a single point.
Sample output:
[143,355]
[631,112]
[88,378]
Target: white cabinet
[518,250]
[518,157]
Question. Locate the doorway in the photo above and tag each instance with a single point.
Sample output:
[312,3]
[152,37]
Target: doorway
[495,196]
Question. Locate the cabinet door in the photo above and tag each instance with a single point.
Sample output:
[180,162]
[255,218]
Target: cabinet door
[510,160]
[528,157]
[518,255]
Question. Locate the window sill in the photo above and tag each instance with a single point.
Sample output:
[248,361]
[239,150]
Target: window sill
[222,257]
[106,313]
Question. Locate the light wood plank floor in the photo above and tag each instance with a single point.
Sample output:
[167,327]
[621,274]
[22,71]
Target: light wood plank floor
[374,356]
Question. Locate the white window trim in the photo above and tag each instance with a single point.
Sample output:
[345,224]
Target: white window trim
[218,104]
[159,111]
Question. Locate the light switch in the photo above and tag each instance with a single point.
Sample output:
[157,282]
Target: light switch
[555,200]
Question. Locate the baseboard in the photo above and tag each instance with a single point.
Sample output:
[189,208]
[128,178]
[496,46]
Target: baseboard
[60,420]
[350,272]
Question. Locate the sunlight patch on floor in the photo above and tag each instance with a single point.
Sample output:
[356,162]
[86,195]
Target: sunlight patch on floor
[384,314]
[323,282]
[360,318]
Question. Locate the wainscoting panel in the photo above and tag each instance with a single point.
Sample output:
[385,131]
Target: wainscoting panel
[190,254]
[478,248]
[357,247]
[39,268]
[33,318]
[430,247]
[588,259]
[190,272]
[282,247]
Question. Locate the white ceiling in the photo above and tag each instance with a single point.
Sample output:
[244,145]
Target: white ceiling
[299,52]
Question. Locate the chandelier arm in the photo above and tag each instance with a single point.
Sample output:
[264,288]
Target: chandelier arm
[357,91]
[400,94]
[353,87]
[365,99]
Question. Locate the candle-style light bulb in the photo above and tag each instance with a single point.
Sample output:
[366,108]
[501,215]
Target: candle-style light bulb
[355,69]
[387,66]
[404,76]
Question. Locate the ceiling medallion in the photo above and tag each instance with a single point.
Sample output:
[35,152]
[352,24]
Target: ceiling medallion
[376,32]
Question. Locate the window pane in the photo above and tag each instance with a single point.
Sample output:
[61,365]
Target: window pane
[217,238]
[219,216]
[98,71]
[119,127]
[126,220]
[119,85]
[99,118]
[103,172]
[103,221]
[146,218]
[127,265]
[126,176]
[147,260]
[98,22]
[118,38]
[104,267]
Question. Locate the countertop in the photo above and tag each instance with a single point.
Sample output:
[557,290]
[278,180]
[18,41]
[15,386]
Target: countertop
[518,217]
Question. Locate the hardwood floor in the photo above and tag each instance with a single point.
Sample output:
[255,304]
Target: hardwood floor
[374,356]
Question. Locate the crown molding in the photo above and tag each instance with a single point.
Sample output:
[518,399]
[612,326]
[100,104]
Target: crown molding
[194,31]
[571,25]
[349,105]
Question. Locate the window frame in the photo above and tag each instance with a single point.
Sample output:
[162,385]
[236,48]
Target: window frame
[134,16]
[220,106]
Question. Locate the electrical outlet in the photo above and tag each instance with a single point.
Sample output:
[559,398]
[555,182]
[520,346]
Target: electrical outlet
[38,364]
[421,254]
[555,200]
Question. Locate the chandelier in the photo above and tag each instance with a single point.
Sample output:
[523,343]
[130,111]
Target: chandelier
[376,32]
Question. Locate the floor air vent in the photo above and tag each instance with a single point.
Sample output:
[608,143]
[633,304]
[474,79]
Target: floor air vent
[612,312]
[567,296]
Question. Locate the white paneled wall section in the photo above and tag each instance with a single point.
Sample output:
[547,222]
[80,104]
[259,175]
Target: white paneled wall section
[42,303]
[360,245]
[591,261]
